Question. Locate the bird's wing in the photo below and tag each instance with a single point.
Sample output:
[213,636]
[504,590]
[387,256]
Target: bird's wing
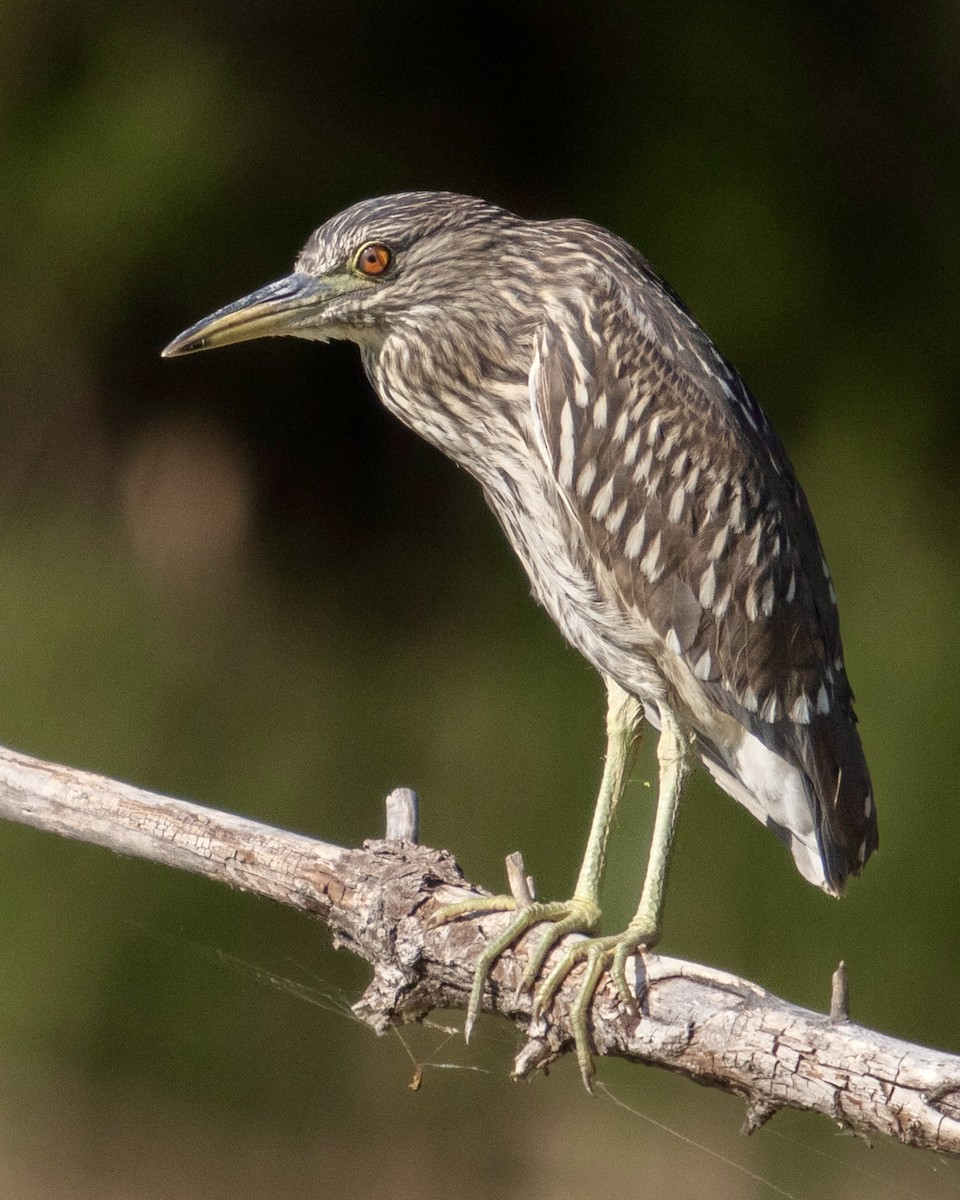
[686,498]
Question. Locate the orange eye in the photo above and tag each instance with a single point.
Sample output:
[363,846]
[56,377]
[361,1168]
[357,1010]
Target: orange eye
[373,259]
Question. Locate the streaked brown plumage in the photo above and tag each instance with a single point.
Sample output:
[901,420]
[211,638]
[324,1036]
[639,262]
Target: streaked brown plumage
[654,508]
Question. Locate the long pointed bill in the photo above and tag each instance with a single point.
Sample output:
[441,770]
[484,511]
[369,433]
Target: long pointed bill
[285,307]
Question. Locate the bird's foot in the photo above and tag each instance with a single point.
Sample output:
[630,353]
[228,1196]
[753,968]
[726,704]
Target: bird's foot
[577,915]
[599,954]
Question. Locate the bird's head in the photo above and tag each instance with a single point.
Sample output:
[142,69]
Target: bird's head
[398,259]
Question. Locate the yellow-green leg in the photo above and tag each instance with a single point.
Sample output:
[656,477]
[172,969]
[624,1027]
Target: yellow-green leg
[644,929]
[581,913]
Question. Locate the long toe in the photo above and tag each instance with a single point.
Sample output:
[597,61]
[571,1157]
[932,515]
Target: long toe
[599,954]
[478,906]
[565,915]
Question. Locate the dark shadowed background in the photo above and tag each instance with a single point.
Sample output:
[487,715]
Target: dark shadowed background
[234,578]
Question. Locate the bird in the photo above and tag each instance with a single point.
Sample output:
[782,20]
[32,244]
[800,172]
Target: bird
[654,508]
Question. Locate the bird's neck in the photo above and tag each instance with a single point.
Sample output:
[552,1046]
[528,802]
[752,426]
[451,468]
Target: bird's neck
[473,408]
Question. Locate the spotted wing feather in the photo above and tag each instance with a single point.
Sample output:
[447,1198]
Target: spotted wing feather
[686,497]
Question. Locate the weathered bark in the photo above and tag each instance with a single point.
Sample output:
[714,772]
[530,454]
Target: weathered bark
[711,1026]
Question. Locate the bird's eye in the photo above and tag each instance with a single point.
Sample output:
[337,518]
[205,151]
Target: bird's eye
[373,259]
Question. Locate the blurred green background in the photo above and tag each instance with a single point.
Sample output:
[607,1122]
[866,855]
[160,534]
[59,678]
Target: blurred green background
[234,578]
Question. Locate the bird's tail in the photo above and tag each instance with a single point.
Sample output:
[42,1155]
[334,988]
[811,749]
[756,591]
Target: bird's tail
[785,808]
[832,756]
[820,804]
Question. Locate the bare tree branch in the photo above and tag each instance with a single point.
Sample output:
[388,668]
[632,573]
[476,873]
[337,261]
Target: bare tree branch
[713,1027]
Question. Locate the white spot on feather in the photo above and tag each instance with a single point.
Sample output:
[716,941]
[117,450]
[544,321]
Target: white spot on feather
[669,441]
[585,479]
[792,587]
[631,448]
[703,666]
[691,480]
[677,501]
[766,598]
[649,562]
[567,448]
[823,701]
[771,709]
[680,463]
[801,710]
[590,325]
[713,499]
[620,429]
[755,538]
[643,467]
[601,506]
[672,641]
[719,542]
[580,373]
[641,403]
[735,517]
[708,586]
[615,518]
[635,538]
[600,412]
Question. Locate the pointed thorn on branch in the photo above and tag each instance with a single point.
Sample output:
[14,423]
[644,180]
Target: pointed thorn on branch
[521,885]
[403,816]
[839,995]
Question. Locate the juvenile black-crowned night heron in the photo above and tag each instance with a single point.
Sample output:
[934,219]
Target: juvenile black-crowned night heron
[649,500]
